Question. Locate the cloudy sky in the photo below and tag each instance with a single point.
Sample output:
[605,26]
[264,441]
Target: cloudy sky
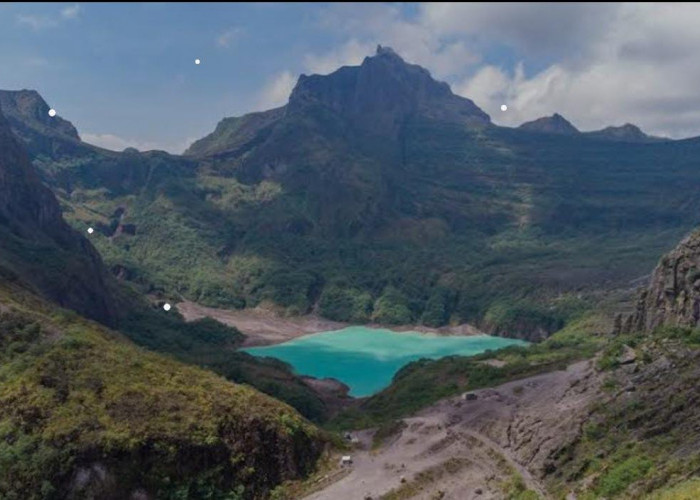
[124,74]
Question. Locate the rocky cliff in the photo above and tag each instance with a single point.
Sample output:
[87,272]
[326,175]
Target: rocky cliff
[38,247]
[379,95]
[28,115]
[673,295]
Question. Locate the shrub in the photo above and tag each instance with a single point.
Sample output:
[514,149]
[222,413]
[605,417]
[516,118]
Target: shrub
[392,308]
[345,304]
[620,476]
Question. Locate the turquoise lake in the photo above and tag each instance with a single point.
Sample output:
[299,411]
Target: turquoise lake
[366,359]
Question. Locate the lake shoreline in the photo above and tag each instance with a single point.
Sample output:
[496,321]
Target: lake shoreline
[264,327]
[367,359]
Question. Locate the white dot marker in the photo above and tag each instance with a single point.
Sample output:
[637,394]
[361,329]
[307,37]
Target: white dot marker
[504,107]
[166,306]
[52,112]
[91,230]
[197,61]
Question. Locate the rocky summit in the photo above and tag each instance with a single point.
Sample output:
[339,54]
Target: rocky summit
[626,133]
[382,93]
[555,124]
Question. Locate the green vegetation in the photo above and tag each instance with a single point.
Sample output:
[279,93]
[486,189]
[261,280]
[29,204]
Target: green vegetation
[687,490]
[448,225]
[392,308]
[213,345]
[641,437]
[351,305]
[621,475]
[76,396]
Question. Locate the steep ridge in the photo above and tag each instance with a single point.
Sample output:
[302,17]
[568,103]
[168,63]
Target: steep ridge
[555,124]
[627,133]
[28,115]
[673,295]
[231,134]
[39,247]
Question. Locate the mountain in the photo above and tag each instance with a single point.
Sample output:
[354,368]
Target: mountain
[376,194]
[624,423]
[84,413]
[626,133]
[381,94]
[672,298]
[376,97]
[555,124]
[28,115]
[38,247]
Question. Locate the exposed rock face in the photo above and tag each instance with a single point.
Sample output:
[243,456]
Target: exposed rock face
[38,247]
[673,295]
[555,124]
[28,115]
[379,95]
[624,133]
[376,97]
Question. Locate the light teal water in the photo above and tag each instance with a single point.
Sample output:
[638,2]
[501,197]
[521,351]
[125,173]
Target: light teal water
[366,359]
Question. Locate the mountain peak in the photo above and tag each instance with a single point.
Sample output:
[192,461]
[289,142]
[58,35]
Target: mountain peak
[555,124]
[385,50]
[380,94]
[28,114]
[625,133]
[29,106]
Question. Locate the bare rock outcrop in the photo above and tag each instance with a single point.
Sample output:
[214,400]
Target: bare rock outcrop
[673,295]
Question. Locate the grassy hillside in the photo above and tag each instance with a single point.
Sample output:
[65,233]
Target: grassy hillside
[85,413]
[641,438]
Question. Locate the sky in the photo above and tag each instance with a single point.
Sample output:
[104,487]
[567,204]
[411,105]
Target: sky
[124,73]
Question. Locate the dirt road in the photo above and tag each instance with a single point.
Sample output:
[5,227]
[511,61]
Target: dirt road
[467,449]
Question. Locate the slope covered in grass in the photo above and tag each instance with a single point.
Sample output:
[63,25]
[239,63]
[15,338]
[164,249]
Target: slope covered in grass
[85,412]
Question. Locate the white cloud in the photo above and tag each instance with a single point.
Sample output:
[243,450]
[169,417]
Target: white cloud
[369,25]
[276,92]
[41,22]
[643,70]
[36,22]
[226,38]
[349,54]
[70,12]
[597,64]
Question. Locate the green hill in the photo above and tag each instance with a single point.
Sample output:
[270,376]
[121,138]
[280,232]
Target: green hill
[84,413]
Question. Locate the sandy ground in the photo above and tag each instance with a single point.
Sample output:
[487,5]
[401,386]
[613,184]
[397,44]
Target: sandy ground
[517,426]
[265,327]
